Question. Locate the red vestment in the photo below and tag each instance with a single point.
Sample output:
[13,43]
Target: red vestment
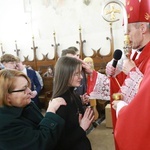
[132,131]
[141,63]
[132,127]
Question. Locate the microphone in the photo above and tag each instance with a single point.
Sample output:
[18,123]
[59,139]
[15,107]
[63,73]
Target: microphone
[117,55]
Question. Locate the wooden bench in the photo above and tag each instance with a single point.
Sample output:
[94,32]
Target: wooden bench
[46,93]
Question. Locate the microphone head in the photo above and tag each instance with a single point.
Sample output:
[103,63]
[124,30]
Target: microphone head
[117,54]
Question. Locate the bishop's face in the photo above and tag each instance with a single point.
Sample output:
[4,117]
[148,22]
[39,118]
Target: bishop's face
[135,31]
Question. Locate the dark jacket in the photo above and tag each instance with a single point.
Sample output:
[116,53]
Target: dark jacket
[73,136]
[26,129]
[35,85]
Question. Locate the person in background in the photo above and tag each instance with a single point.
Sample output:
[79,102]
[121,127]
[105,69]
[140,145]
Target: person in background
[75,49]
[69,52]
[48,73]
[8,61]
[38,76]
[22,125]
[68,76]
[35,85]
[89,61]
[93,102]
[82,89]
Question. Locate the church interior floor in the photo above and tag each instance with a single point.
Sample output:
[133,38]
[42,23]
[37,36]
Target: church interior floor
[101,137]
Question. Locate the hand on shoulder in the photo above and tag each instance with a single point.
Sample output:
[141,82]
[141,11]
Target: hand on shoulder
[55,103]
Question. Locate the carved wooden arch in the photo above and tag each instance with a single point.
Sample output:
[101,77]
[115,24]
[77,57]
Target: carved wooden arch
[100,60]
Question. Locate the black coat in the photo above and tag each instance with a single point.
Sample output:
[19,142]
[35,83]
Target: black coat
[35,85]
[27,129]
[73,137]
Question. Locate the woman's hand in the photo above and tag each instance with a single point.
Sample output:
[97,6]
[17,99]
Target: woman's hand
[85,98]
[87,118]
[55,103]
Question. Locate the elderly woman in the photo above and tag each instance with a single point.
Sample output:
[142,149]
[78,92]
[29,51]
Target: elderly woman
[22,126]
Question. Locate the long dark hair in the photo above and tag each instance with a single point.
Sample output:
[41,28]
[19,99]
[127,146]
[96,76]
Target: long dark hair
[64,70]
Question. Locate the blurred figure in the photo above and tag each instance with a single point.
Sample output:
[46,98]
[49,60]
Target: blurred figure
[89,61]
[22,125]
[48,73]
[68,52]
[38,76]
[68,76]
[8,61]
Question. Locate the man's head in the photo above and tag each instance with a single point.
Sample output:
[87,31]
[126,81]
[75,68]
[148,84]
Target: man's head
[75,49]
[139,34]
[138,22]
[71,52]
[9,61]
[67,52]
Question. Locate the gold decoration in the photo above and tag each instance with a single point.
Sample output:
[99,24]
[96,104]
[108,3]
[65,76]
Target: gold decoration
[131,8]
[127,46]
[147,16]
[112,12]
[117,96]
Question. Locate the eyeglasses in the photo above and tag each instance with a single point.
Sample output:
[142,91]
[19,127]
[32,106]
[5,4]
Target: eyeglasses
[21,90]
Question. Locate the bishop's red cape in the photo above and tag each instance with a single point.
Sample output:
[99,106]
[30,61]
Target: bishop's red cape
[132,131]
[141,63]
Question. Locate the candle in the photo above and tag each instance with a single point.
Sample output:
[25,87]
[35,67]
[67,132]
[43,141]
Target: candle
[16,44]
[80,28]
[54,33]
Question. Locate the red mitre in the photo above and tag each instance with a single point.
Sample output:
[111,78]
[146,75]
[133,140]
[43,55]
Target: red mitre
[138,11]
[144,15]
[132,8]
